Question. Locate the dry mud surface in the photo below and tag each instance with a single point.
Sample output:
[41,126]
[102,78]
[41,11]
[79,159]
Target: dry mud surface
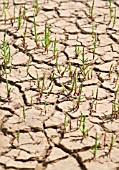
[44,131]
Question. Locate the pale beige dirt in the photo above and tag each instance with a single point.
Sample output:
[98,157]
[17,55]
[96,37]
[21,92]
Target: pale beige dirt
[45,141]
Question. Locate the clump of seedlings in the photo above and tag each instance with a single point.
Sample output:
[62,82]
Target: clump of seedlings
[82,126]
[84,66]
[47,37]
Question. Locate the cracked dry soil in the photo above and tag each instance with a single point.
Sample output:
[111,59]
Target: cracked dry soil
[44,132]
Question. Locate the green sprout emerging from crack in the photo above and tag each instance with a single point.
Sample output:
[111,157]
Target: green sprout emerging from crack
[110,146]
[47,37]
[4,11]
[114,17]
[84,66]
[79,98]
[5,51]
[36,36]
[92,10]
[8,91]
[36,8]
[19,18]
[77,51]
[110,7]
[95,145]
[18,135]
[55,48]
[37,80]
[24,38]
[65,120]
[83,128]
[24,112]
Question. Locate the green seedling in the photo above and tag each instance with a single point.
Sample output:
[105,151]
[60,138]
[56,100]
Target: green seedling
[80,120]
[115,110]
[24,112]
[74,83]
[50,91]
[95,145]
[36,36]
[110,70]
[83,129]
[70,69]
[24,38]
[63,88]
[91,104]
[31,100]
[65,121]
[77,51]
[105,139]
[93,30]
[6,54]
[4,11]
[51,79]
[11,18]
[37,80]
[27,67]
[116,93]
[8,91]
[43,84]
[55,48]
[116,80]
[84,67]
[36,8]
[19,18]
[110,146]
[59,68]
[114,17]
[18,135]
[83,126]
[97,94]
[24,12]
[79,98]
[42,87]
[47,37]
[57,65]
[110,7]
[92,10]
[62,72]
